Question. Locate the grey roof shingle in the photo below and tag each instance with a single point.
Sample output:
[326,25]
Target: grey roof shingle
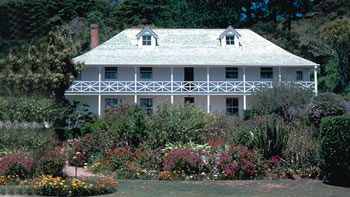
[191,47]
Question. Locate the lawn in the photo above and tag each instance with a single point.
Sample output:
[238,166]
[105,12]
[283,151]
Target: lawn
[230,188]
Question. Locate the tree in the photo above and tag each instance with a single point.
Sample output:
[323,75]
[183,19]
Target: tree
[45,68]
[337,35]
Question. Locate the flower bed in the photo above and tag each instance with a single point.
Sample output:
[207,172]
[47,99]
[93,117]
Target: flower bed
[58,186]
[16,164]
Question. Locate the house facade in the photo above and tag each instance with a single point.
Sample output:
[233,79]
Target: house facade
[216,69]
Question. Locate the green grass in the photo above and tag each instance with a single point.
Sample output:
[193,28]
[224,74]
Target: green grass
[263,188]
[254,188]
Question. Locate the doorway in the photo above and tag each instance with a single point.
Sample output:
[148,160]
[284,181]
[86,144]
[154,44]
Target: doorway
[188,77]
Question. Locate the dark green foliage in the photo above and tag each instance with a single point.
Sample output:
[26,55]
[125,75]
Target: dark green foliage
[51,162]
[287,101]
[37,109]
[24,140]
[270,136]
[177,123]
[325,104]
[335,153]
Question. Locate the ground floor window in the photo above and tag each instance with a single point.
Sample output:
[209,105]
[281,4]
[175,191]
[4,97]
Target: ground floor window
[110,103]
[147,105]
[232,107]
[189,99]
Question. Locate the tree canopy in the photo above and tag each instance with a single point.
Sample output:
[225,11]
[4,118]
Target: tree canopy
[298,26]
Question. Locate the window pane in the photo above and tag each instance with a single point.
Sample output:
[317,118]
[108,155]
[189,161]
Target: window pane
[231,73]
[266,72]
[146,72]
[111,72]
[111,102]
[147,105]
[230,40]
[146,40]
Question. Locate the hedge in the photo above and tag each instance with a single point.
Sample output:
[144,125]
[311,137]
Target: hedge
[335,149]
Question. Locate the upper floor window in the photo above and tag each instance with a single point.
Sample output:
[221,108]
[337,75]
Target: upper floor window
[266,73]
[231,72]
[147,105]
[230,40]
[299,75]
[146,40]
[232,107]
[145,72]
[111,72]
[110,103]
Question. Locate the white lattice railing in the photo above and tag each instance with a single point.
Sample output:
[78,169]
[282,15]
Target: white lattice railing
[214,87]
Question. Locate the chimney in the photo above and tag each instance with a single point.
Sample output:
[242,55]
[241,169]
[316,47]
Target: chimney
[94,42]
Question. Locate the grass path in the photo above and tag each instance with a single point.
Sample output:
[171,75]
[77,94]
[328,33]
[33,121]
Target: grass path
[254,188]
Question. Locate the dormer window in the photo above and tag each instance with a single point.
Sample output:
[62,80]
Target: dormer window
[230,40]
[230,37]
[146,40]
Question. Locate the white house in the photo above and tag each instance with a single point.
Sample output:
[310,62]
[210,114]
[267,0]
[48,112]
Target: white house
[217,69]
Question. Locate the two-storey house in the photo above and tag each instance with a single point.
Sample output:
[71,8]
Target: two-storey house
[216,69]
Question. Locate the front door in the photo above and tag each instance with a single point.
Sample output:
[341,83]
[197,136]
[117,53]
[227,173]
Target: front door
[189,77]
[189,99]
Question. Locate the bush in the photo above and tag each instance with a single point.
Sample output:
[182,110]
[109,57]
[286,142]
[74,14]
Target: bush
[127,123]
[325,104]
[236,162]
[220,127]
[270,135]
[335,154]
[287,101]
[93,144]
[130,163]
[16,164]
[51,162]
[184,160]
[177,123]
[24,140]
[301,149]
[29,109]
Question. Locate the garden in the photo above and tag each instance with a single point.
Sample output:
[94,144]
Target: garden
[288,134]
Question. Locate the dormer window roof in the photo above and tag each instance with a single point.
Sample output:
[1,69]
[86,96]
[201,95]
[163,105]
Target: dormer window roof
[229,32]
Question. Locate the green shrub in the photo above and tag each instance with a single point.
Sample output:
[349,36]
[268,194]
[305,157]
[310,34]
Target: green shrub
[221,127]
[24,140]
[287,101]
[301,149]
[128,124]
[244,136]
[29,109]
[335,151]
[51,162]
[177,123]
[325,104]
[270,135]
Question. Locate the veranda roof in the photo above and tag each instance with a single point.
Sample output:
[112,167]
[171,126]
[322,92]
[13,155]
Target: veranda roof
[191,47]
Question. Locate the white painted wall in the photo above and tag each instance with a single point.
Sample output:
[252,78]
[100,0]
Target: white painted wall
[200,74]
